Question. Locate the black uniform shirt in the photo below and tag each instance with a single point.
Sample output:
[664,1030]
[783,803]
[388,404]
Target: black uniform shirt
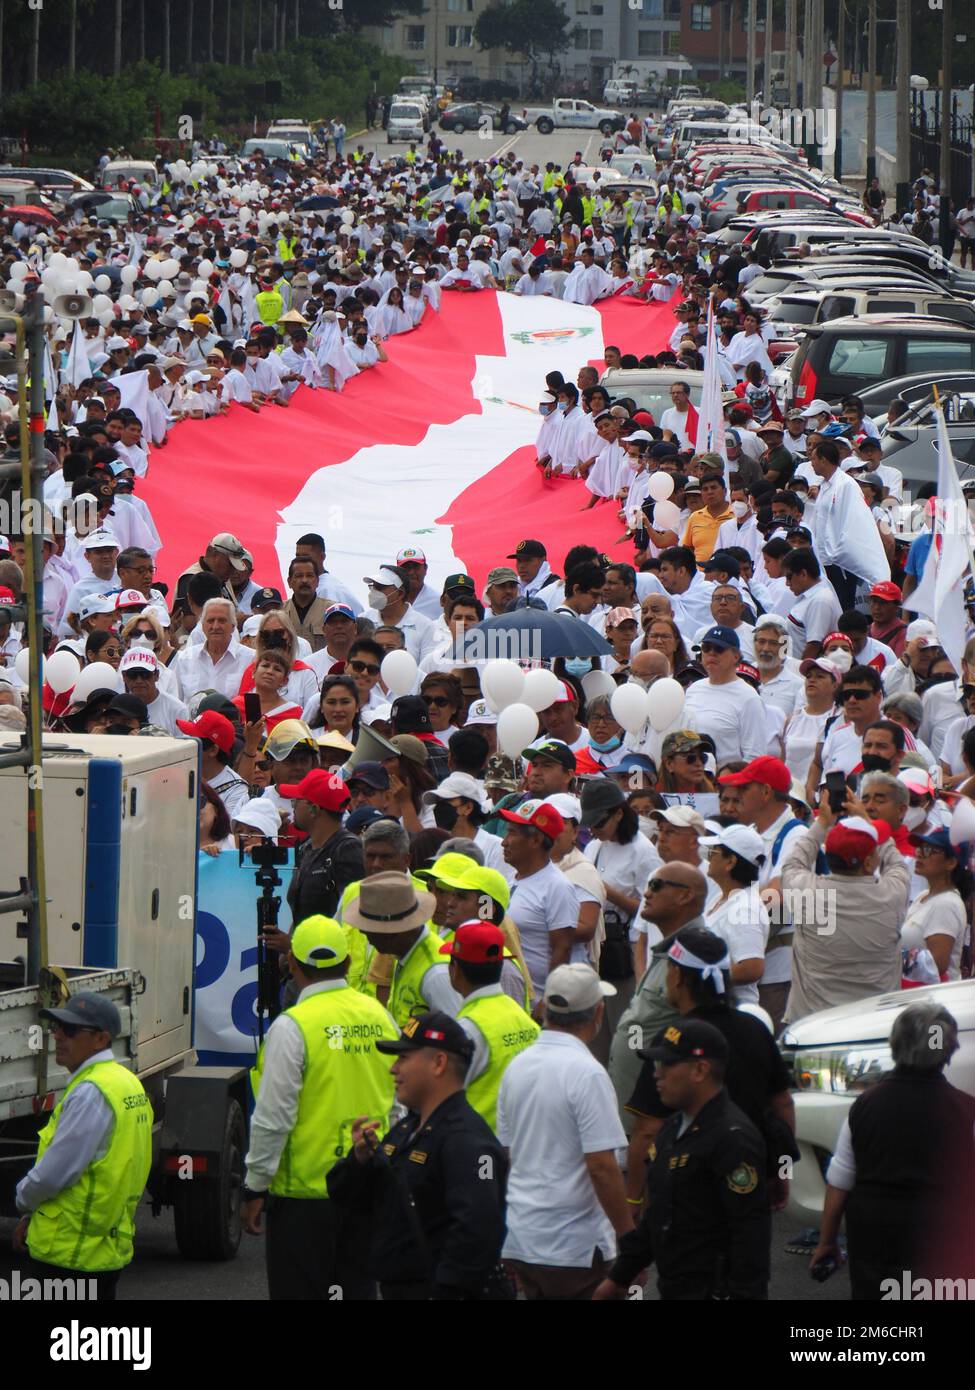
[322,875]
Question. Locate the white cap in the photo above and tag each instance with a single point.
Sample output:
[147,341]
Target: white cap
[138,659]
[569,807]
[480,712]
[384,576]
[116,344]
[457,784]
[738,839]
[571,989]
[924,629]
[95,603]
[128,598]
[260,815]
[918,780]
[100,540]
[684,817]
[252,625]
[817,407]
[411,555]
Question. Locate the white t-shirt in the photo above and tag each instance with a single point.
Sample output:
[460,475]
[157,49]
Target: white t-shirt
[942,915]
[743,922]
[541,903]
[802,733]
[841,749]
[556,1105]
[625,867]
[732,714]
[813,615]
[785,691]
[951,748]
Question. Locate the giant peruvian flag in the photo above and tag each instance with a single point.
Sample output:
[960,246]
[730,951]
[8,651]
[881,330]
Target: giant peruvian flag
[433,449]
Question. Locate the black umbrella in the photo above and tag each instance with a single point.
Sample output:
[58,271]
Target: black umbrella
[530,634]
[321,200]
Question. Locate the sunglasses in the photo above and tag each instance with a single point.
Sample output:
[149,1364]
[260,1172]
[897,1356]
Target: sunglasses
[112,651]
[655,884]
[692,757]
[364,668]
[709,649]
[855,694]
[440,701]
[139,675]
[70,1030]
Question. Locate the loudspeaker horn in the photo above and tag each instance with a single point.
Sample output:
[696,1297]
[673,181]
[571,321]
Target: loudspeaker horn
[72,306]
[371,748]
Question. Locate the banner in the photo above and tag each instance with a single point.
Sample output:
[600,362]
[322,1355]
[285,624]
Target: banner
[225,981]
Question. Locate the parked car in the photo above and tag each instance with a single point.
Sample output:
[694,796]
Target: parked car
[407,121]
[123,171]
[836,1055]
[619,93]
[104,206]
[568,113]
[844,356]
[650,386]
[271,149]
[910,444]
[631,165]
[59,183]
[472,115]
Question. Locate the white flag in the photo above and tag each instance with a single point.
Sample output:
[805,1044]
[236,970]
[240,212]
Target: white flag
[710,415]
[940,595]
[78,368]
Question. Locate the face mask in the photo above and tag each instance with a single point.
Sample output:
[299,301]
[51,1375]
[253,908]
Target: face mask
[739,509]
[578,666]
[377,599]
[840,658]
[361,342]
[544,410]
[445,815]
[648,826]
[915,817]
[563,406]
[606,747]
[873,762]
[275,639]
[141,644]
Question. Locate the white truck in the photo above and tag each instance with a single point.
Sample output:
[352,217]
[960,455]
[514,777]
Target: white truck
[120,830]
[568,113]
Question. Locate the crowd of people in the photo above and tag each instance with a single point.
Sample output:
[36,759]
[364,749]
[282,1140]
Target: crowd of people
[551,939]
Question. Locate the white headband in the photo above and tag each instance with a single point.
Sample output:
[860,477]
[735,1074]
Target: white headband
[689,961]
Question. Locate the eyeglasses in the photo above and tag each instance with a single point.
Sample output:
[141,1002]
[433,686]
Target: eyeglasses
[855,694]
[655,884]
[112,651]
[601,717]
[692,757]
[364,668]
[138,569]
[440,701]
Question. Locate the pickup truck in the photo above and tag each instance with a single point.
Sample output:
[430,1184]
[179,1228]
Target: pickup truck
[567,113]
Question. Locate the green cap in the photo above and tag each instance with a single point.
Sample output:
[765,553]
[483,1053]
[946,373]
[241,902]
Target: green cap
[319,942]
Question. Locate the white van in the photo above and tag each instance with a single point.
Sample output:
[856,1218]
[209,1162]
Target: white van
[406,121]
[618,92]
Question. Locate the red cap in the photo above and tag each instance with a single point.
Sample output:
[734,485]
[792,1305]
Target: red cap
[216,727]
[888,591]
[852,840]
[323,789]
[542,817]
[477,942]
[769,772]
[7,595]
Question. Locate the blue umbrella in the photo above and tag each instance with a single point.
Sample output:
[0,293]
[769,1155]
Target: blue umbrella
[530,634]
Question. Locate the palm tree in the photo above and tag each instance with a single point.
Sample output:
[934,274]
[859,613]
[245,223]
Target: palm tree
[117,64]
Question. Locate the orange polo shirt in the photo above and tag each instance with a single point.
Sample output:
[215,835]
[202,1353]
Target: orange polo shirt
[702,530]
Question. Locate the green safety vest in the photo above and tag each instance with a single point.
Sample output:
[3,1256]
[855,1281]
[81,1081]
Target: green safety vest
[89,1226]
[286,248]
[360,952]
[406,992]
[411,156]
[479,205]
[588,208]
[549,180]
[343,1077]
[507,1029]
[270,306]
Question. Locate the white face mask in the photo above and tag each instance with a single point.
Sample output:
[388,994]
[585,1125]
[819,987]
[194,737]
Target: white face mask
[740,509]
[840,658]
[649,827]
[143,643]
[915,818]
[377,599]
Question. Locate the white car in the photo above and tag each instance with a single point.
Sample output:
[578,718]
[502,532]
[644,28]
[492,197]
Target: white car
[566,113]
[837,1054]
[406,121]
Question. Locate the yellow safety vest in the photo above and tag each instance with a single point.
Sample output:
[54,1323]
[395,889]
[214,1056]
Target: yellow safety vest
[478,206]
[588,208]
[410,157]
[549,180]
[406,997]
[286,248]
[270,306]
[507,1029]
[343,1077]
[89,1226]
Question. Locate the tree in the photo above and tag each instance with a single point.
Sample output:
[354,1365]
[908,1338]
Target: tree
[529,28]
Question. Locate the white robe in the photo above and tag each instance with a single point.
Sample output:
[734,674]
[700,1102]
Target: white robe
[587,284]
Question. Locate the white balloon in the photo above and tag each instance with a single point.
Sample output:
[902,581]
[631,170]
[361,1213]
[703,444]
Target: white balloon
[517,726]
[238,257]
[399,672]
[154,270]
[103,283]
[61,671]
[664,701]
[542,688]
[98,676]
[22,664]
[165,287]
[58,260]
[502,682]
[666,515]
[129,274]
[660,486]
[348,217]
[127,301]
[18,270]
[596,683]
[206,269]
[170,268]
[84,280]
[962,827]
[629,705]
[101,304]
[150,297]
[105,318]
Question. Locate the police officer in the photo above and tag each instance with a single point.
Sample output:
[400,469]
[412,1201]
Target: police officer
[706,1225]
[93,1155]
[498,1027]
[317,1072]
[435,1185]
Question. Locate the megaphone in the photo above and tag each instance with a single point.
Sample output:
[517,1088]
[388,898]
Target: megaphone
[72,306]
[10,301]
[371,747]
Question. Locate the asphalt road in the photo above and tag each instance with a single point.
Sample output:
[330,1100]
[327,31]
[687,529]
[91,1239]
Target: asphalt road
[529,145]
[159,1273]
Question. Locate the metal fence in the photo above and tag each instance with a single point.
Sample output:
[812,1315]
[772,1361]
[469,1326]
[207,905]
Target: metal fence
[926,143]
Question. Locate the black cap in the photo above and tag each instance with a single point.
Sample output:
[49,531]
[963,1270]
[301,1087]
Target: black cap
[664,449]
[87,1010]
[437,1030]
[555,750]
[722,560]
[265,598]
[130,706]
[456,584]
[409,715]
[528,550]
[691,1040]
[74,719]
[599,798]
